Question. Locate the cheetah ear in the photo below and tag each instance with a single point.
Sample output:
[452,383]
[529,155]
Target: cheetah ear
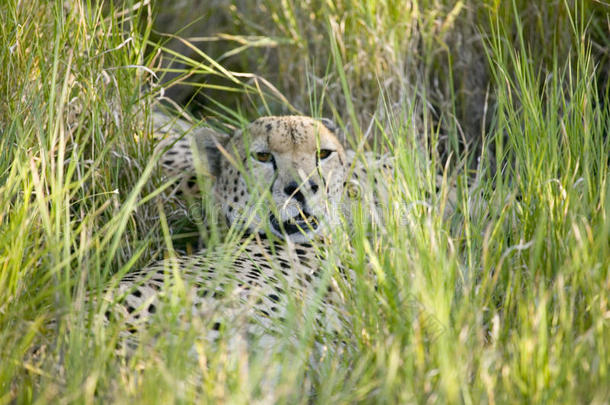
[334,128]
[330,125]
[209,143]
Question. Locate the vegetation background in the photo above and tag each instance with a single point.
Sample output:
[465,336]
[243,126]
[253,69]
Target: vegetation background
[499,294]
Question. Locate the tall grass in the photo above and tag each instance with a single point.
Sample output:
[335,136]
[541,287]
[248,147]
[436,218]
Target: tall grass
[499,295]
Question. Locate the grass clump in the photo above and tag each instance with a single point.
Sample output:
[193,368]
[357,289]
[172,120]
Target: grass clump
[490,285]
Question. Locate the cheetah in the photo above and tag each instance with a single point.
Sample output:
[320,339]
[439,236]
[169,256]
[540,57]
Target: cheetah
[279,181]
[186,153]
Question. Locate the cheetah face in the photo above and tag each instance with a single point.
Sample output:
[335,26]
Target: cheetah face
[285,175]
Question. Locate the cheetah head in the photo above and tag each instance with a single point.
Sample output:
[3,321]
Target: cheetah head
[284,175]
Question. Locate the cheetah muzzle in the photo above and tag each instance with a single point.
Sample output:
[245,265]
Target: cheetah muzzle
[297,225]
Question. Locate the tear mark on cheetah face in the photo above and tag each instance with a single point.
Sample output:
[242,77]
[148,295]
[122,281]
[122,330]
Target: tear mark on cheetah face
[282,174]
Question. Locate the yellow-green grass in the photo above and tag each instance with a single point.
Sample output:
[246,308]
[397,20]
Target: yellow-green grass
[502,299]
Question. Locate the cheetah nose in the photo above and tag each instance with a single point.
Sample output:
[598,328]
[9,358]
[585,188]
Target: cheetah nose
[292,190]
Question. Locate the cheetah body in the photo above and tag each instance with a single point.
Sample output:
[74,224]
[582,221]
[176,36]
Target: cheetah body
[280,181]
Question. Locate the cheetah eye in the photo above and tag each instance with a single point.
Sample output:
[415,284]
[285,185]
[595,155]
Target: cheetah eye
[324,153]
[264,157]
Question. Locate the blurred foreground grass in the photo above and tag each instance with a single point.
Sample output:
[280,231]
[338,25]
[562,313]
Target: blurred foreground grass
[504,299]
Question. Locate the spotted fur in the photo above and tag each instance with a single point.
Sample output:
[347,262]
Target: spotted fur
[281,180]
[245,293]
